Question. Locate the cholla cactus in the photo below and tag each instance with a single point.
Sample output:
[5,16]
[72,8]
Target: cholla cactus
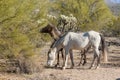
[67,22]
[73,19]
[64,17]
[39,21]
[51,17]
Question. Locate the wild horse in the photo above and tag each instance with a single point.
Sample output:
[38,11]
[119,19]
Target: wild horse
[78,41]
[56,34]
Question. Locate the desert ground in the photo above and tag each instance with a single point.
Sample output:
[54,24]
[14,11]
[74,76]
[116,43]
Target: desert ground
[107,71]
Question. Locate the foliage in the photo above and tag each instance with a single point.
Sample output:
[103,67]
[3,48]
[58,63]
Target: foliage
[20,21]
[19,26]
[91,14]
[114,29]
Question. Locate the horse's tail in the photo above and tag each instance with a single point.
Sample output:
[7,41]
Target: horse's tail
[104,48]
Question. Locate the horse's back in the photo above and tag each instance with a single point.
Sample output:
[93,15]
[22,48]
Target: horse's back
[93,33]
[81,40]
[76,40]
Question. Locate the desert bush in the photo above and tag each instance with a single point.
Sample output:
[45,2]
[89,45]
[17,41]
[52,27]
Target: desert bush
[113,29]
[31,65]
[89,13]
[20,22]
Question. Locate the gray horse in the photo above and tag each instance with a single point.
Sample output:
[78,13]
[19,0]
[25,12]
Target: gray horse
[78,41]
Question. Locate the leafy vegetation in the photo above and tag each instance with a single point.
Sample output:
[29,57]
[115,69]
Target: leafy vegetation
[19,27]
[91,14]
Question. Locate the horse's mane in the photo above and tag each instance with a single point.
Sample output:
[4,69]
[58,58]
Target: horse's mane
[58,41]
[51,25]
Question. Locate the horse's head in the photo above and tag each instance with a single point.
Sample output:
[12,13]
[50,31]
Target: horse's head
[51,56]
[47,29]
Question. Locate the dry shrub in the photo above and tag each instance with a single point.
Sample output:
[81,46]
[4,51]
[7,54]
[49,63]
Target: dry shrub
[29,65]
[21,65]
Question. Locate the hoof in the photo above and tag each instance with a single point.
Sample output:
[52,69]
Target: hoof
[90,67]
[97,67]
[71,67]
[79,64]
[63,68]
[84,63]
[57,65]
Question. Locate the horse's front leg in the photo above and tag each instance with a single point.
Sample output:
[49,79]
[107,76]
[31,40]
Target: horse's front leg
[66,60]
[71,57]
[63,56]
[57,59]
[82,56]
[85,61]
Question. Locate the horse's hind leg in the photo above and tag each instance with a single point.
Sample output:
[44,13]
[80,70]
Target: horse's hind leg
[98,62]
[98,59]
[96,54]
[92,64]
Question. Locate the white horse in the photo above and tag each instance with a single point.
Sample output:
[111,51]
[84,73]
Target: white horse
[78,41]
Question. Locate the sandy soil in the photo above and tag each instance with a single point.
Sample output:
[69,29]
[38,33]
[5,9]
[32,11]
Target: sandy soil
[107,71]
